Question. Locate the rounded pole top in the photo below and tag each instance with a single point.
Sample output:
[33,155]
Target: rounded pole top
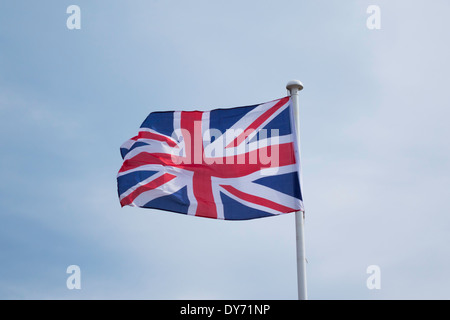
[294,84]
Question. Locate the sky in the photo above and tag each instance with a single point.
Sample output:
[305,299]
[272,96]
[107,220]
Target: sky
[374,142]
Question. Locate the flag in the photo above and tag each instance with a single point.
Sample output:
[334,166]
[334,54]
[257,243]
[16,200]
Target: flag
[234,164]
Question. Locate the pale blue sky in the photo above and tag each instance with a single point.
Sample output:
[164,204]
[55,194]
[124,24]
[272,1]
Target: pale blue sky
[374,132]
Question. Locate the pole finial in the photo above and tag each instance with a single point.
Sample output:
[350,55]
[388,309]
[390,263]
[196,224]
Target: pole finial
[294,84]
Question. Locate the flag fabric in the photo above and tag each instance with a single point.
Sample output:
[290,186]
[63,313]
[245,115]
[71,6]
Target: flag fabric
[234,164]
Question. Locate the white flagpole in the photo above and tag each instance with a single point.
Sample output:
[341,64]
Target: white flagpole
[294,87]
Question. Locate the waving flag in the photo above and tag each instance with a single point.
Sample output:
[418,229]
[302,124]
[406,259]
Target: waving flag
[234,164]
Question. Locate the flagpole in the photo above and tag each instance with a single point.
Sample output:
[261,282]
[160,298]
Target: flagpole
[294,87]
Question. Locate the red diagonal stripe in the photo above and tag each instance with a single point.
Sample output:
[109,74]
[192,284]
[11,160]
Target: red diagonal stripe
[257,200]
[255,125]
[146,187]
[145,158]
[155,136]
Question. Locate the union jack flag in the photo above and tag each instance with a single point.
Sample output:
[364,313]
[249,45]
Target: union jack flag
[234,164]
